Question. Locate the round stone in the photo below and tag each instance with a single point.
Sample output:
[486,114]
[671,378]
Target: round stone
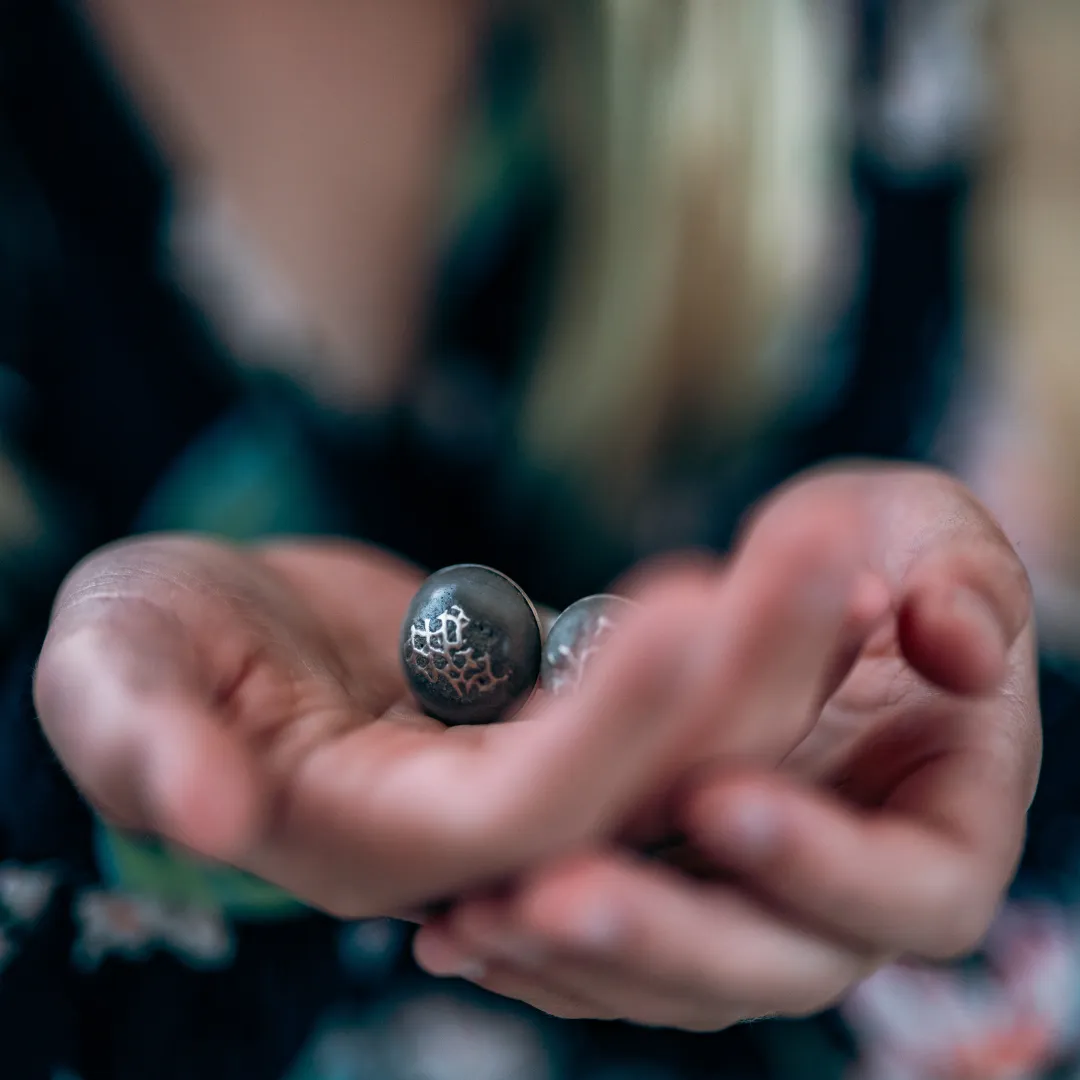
[470,645]
[575,637]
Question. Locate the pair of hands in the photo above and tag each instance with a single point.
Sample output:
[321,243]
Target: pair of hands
[842,720]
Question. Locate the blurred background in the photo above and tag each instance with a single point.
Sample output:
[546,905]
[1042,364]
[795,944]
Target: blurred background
[262,272]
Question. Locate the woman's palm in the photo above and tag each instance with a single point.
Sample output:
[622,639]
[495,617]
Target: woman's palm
[248,705]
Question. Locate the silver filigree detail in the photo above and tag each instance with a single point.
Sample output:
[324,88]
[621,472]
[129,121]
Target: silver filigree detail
[439,654]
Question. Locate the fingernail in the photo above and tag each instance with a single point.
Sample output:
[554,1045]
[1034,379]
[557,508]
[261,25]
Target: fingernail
[440,958]
[747,829]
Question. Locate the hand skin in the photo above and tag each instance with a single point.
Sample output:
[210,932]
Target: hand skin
[247,705]
[887,822]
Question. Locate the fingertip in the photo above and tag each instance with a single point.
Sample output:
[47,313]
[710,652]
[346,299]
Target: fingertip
[965,604]
[988,637]
[954,638]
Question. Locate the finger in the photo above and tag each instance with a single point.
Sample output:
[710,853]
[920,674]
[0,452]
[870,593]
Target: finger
[470,805]
[959,588]
[439,954]
[965,602]
[533,990]
[751,708]
[480,804]
[635,724]
[559,983]
[624,726]
[120,697]
[651,946]
[924,875]
[790,618]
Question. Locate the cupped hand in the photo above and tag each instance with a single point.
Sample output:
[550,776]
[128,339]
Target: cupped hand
[880,817]
[247,705]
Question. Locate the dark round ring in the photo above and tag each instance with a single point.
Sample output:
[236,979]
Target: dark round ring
[470,645]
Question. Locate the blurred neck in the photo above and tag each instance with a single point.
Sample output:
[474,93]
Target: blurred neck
[325,126]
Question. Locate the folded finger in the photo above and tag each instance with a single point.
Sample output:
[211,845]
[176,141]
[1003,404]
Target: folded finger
[924,875]
[959,588]
[655,946]
[788,621]
[965,602]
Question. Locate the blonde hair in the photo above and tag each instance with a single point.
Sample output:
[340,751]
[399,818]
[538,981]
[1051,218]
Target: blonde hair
[698,135]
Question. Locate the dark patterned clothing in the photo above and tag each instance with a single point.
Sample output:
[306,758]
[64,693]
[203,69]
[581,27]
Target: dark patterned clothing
[121,411]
